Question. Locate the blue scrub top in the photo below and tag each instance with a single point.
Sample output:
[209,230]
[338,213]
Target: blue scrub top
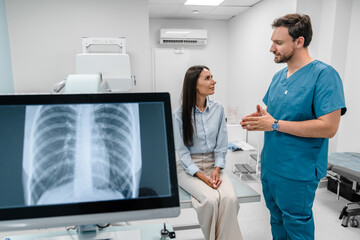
[312,91]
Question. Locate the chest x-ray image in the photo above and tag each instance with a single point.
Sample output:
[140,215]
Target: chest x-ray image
[81,153]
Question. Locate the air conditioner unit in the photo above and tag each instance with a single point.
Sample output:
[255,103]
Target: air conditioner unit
[183,37]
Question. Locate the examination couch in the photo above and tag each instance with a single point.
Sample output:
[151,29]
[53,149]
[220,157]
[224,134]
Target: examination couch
[344,179]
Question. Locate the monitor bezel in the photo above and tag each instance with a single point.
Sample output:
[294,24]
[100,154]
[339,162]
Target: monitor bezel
[68,214]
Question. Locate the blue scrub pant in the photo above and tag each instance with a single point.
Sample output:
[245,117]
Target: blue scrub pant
[290,204]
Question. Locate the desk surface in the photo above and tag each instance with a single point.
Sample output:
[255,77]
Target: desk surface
[147,231]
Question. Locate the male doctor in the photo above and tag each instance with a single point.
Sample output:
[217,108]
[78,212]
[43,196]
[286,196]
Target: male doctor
[305,101]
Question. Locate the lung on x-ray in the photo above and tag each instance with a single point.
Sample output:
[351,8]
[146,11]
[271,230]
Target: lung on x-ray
[81,153]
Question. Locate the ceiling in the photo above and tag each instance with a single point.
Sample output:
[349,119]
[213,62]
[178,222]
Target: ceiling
[176,9]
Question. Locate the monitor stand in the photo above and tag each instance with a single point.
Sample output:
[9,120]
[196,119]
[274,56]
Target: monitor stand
[133,234]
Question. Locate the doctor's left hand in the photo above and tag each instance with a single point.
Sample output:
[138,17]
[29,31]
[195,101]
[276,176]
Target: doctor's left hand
[259,122]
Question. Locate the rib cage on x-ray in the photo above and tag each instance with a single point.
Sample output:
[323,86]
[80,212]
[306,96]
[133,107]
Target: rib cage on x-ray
[82,145]
[115,130]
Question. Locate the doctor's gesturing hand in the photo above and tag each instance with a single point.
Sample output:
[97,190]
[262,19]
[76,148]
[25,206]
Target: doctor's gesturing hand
[260,120]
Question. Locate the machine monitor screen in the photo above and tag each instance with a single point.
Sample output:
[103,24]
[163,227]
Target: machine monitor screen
[79,159]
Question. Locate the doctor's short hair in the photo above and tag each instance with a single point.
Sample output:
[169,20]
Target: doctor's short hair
[299,25]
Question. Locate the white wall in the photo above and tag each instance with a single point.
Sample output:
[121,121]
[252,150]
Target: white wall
[331,25]
[6,83]
[213,55]
[323,18]
[251,64]
[251,67]
[45,37]
[350,129]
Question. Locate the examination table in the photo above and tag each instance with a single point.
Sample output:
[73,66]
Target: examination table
[344,179]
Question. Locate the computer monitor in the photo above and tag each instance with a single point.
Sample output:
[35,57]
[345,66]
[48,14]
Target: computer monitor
[82,159]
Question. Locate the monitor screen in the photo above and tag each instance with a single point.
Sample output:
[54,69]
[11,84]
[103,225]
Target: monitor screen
[79,159]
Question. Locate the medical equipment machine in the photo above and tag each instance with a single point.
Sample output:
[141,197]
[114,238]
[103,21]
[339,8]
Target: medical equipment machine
[103,66]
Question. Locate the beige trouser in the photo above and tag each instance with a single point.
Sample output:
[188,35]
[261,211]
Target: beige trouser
[217,209]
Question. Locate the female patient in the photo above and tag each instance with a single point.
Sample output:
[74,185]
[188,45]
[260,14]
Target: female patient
[201,144]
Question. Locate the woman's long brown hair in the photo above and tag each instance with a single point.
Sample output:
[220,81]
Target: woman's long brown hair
[189,103]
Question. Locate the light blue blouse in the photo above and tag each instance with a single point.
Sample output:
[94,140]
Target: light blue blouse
[210,135]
